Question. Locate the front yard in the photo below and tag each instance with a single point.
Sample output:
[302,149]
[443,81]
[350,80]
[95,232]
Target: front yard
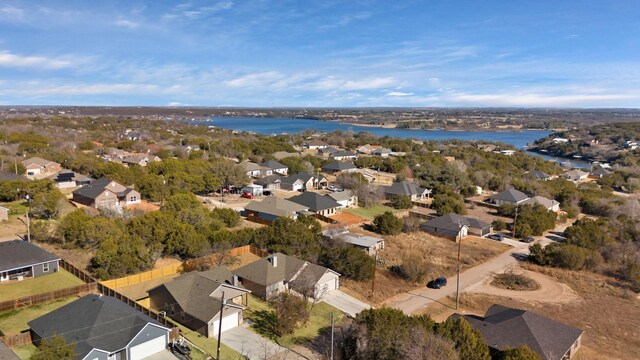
[15,321]
[42,284]
[209,345]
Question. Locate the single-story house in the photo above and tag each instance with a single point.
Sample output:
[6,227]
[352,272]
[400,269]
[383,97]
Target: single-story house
[454,226]
[275,167]
[539,175]
[368,149]
[504,327]
[102,328]
[509,196]
[194,300]
[139,159]
[345,198]
[343,155]
[303,181]
[278,272]
[599,173]
[549,204]
[106,193]
[35,166]
[575,175]
[273,207]
[318,204]
[370,244]
[293,183]
[4,213]
[131,135]
[67,179]
[21,259]
[382,152]
[315,144]
[271,182]
[406,188]
[328,151]
[253,189]
[254,170]
[339,166]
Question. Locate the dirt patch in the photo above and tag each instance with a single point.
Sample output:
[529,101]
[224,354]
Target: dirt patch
[515,282]
[484,213]
[12,229]
[143,207]
[348,219]
[440,253]
[162,262]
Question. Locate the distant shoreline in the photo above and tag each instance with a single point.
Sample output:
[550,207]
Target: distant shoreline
[491,129]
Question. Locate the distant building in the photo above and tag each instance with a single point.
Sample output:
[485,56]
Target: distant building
[4,214]
[36,166]
[315,144]
[406,188]
[67,179]
[548,204]
[575,175]
[509,196]
[454,226]
[339,166]
[106,193]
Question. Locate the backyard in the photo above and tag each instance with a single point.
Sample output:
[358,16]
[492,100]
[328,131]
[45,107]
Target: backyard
[42,284]
[15,321]
[370,212]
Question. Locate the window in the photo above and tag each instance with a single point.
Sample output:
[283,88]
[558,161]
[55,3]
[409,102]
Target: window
[45,267]
[133,198]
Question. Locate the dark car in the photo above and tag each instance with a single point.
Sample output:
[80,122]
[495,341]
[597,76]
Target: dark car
[528,239]
[437,283]
[498,237]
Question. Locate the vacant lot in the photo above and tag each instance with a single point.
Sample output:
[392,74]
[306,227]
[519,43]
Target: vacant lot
[42,284]
[15,321]
[438,254]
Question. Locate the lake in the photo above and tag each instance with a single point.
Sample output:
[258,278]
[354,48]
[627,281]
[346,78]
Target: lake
[518,139]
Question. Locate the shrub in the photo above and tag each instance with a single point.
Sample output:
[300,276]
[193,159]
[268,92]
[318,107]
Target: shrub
[387,224]
[401,202]
[411,224]
[291,313]
[413,268]
[499,225]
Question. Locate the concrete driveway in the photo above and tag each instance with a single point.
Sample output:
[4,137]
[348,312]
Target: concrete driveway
[254,346]
[346,303]
[163,355]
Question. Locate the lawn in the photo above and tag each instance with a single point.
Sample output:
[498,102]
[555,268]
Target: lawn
[16,208]
[25,352]
[42,284]
[371,211]
[207,344]
[15,321]
[260,311]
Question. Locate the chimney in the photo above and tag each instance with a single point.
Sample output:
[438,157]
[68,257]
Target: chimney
[235,280]
[274,260]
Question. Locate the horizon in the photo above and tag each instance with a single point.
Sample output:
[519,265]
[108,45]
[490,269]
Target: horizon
[279,54]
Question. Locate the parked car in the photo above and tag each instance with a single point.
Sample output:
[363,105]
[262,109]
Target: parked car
[267,193]
[334,188]
[247,195]
[437,283]
[179,347]
[528,239]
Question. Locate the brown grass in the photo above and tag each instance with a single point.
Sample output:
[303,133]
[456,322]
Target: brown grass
[440,253]
[77,257]
[518,282]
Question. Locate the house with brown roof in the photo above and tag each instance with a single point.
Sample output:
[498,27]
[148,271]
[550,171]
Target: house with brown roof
[68,179]
[139,159]
[547,203]
[106,193]
[35,166]
[504,327]
[454,226]
[278,272]
[406,188]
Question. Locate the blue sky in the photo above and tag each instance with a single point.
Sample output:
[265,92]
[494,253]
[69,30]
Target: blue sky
[545,53]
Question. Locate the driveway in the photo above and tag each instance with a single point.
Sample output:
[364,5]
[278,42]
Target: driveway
[163,355]
[254,346]
[346,303]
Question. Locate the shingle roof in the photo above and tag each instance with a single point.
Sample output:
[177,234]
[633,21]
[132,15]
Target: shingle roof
[541,200]
[66,175]
[510,195]
[94,189]
[314,201]
[359,239]
[275,206]
[506,327]
[93,322]
[12,176]
[316,142]
[404,188]
[37,161]
[251,166]
[453,221]
[262,272]
[16,254]
[274,165]
[600,171]
[342,153]
[541,175]
[338,166]
[341,195]
[305,177]
[6,353]
[271,179]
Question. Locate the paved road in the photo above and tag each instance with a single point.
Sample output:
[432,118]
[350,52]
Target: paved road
[346,303]
[254,346]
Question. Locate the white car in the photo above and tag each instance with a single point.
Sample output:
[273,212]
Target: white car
[334,188]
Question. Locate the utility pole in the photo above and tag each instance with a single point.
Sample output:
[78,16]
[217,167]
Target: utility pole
[331,319]
[514,223]
[373,281]
[222,303]
[458,277]
[15,164]
[28,224]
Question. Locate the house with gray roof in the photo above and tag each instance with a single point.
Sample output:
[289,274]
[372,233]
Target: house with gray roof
[274,207]
[539,175]
[278,272]
[12,177]
[509,196]
[345,198]
[369,244]
[271,182]
[504,327]
[194,300]
[139,159]
[315,144]
[382,152]
[547,203]
[343,155]
[254,170]
[599,173]
[102,328]
[276,167]
[328,151]
[454,226]
[318,204]
[339,166]
[67,179]
[6,353]
[303,181]
[21,259]
[575,175]
[406,188]
[106,193]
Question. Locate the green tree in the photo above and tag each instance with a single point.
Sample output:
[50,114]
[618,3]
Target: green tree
[468,341]
[117,257]
[299,238]
[183,240]
[448,203]
[229,217]
[348,261]
[522,352]
[71,230]
[401,202]
[387,224]
[55,348]
[291,313]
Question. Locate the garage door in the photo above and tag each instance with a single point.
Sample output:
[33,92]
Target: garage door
[228,322]
[327,286]
[148,348]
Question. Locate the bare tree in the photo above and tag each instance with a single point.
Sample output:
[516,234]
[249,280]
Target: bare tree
[426,345]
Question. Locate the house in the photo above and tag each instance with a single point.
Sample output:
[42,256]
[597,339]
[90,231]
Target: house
[253,189]
[131,135]
[547,203]
[368,149]
[509,196]
[303,181]
[4,213]
[560,140]
[382,152]
[343,155]
[278,272]
[405,188]
[539,175]
[276,167]
[106,193]
[12,177]
[67,179]
[272,208]
[194,300]
[455,226]
[575,175]
[316,203]
[631,145]
[21,259]
[254,170]
[345,198]
[504,327]
[599,173]
[6,353]
[103,328]
[139,159]
[315,144]
[36,166]
[328,151]
[339,166]
[369,244]
[271,182]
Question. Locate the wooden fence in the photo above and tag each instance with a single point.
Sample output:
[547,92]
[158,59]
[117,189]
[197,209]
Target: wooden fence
[17,339]
[142,277]
[46,297]
[80,274]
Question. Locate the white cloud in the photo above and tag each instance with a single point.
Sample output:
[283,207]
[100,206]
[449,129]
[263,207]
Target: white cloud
[260,79]
[11,13]
[331,83]
[41,89]
[399,93]
[541,100]
[8,59]
[127,23]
